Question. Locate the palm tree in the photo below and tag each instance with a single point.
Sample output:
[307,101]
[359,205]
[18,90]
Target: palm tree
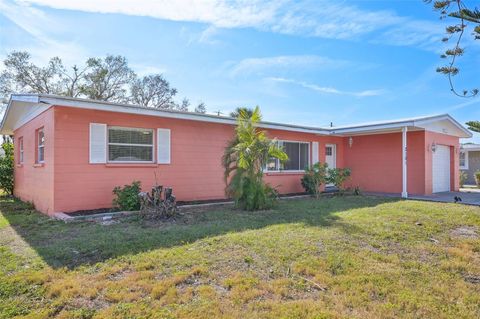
[238,110]
[245,158]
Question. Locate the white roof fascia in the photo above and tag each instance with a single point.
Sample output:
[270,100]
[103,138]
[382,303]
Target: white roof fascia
[46,101]
[397,125]
[25,100]
[131,109]
[444,117]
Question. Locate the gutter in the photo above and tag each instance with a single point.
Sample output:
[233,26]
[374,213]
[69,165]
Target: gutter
[134,109]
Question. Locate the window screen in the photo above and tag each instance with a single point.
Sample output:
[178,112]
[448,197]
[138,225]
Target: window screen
[462,159]
[298,157]
[130,144]
[20,150]
[40,146]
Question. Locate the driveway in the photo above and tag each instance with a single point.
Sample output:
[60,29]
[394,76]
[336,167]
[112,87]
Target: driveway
[469,196]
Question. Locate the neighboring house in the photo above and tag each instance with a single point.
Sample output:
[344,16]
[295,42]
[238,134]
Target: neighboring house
[470,161]
[71,152]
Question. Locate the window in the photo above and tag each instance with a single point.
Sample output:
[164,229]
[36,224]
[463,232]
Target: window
[463,160]
[40,146]
[328,151]
[298,157]
[20,150]
[130,144]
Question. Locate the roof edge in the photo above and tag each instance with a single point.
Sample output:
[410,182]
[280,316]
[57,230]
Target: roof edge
[134,109]
[130,108]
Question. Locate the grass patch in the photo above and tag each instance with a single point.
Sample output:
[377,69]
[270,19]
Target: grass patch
[363,257]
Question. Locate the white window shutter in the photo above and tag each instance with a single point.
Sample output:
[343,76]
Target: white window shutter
[98,143]
[163,146]
[314,152]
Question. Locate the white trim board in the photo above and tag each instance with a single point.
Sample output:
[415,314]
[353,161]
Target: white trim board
[25,101]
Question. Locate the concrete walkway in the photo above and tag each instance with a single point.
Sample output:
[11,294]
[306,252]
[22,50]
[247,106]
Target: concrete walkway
[469,196]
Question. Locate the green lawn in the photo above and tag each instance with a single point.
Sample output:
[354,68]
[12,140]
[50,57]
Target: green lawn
[355,257]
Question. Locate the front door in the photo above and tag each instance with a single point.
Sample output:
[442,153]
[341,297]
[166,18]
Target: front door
[441,169]
[331,157]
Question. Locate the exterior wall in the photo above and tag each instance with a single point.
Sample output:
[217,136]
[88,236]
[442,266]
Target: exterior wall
[473,166]
[34,182]
[195,172]
[454,144]
[376,162]
[68,182]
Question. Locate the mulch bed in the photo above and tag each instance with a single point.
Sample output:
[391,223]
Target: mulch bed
[88,212]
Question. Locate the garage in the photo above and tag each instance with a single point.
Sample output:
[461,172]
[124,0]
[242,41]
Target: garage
[441,169]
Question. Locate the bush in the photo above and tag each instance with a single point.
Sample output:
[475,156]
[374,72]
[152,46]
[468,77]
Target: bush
[251,193]
[6,168]
[477,178]
[463,178]
[338,176]
[127,197]
[314,177]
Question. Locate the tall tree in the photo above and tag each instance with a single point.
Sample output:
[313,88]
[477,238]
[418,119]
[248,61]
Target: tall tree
[201,108]
[153,91]
[108,79]
[21,75]
[184,105]
[458,10]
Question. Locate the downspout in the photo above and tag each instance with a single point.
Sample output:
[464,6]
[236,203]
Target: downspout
[404,162]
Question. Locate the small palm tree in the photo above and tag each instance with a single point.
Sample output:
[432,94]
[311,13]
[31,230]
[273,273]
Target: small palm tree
[244,160]
[239,110]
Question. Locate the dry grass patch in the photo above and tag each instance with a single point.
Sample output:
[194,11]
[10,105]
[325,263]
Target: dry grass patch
[338,257]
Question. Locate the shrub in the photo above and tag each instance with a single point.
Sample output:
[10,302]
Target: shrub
[245,158]
[126,197]
[463,178]
[314,177]
[338,176]
[477,178]
[251,193]
[6,168]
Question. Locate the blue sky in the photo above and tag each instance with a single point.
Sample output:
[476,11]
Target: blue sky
[302,62]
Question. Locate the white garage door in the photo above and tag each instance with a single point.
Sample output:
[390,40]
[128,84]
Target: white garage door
[441,169]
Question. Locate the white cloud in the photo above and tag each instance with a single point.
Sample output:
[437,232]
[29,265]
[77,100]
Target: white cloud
[327,90]
[40,27]
[217,12]
[321,18]
[459,106]
[207,36]
[260,65]
[422,34]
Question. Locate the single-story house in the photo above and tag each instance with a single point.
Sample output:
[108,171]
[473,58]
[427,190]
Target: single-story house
[470,161]
[70,152]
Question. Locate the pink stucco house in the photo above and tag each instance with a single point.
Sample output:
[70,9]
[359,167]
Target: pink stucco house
[70,153]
